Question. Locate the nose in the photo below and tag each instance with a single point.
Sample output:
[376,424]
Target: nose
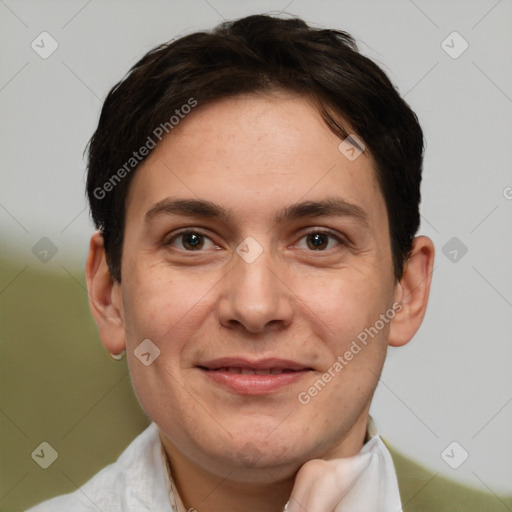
[255,297]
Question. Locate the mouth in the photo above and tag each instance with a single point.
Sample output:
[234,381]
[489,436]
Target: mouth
[242,370]
[254,377]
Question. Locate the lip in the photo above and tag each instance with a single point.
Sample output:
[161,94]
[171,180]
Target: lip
[251,383]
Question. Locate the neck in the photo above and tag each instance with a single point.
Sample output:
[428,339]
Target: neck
[242,489]
[202,491]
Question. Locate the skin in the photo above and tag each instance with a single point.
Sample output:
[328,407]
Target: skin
[254,155]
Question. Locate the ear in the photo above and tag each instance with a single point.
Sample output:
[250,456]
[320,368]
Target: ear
[412,292]
[105,297]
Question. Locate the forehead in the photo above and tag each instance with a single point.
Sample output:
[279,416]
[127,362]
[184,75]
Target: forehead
[253,153]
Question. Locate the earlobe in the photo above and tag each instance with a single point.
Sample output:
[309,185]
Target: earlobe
[412,292]
[104,297]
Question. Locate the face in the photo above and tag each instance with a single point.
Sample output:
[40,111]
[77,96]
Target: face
[254,254]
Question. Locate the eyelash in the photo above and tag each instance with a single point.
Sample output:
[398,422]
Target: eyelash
[321,231]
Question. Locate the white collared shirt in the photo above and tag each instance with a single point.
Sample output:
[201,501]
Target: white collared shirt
[139,481]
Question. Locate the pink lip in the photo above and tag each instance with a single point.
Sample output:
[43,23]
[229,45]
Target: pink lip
[254,384]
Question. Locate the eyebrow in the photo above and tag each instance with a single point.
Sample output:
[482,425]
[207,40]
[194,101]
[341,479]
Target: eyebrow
[188,208]
[329,207]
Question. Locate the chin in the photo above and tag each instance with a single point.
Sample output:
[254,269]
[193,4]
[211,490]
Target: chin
[247,451]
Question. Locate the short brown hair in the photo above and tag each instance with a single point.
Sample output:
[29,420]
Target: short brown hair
[256,54]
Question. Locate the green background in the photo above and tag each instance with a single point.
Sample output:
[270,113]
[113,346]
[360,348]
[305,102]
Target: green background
[57,384]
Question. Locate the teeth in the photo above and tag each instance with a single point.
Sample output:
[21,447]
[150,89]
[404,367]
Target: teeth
[251,371]
[262,372]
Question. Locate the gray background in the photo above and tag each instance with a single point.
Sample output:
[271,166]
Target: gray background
[453,381]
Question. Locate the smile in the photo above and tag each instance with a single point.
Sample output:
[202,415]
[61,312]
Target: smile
[254,377]
[252,371]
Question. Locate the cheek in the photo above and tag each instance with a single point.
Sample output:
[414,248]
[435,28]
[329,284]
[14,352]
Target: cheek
[167,310]
[162,311]
[159,305]
[346,304]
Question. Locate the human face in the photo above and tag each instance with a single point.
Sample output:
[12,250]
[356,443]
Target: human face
[298,305]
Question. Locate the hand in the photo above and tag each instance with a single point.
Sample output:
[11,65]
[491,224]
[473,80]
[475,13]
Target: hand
[320,485]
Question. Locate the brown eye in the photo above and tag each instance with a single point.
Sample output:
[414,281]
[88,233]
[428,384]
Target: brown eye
[317,241]
[192,241]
